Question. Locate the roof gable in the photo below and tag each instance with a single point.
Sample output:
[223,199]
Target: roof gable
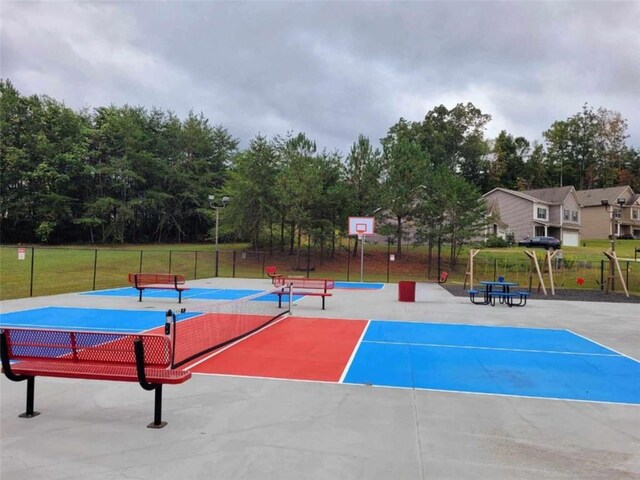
[554,196]
[594,197]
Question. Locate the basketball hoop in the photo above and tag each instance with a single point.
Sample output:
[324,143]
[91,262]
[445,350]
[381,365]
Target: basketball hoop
[361,229]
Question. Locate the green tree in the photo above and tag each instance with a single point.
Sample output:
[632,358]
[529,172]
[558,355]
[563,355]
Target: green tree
[252,184]
[405,167]
[455,138]
[507,166]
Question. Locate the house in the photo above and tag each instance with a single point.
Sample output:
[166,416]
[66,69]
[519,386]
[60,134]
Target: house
[607,209]
[552,212]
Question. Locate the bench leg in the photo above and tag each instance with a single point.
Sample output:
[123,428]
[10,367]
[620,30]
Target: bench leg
[31,386]
[157,410]
[140,296]
[179,296]
[323,303]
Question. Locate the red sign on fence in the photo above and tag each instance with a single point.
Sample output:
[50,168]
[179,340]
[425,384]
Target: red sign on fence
[22,252]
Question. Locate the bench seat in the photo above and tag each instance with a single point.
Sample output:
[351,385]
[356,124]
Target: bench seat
[313,287]
[91,355]
[97,371]
[508,298]
[158,281]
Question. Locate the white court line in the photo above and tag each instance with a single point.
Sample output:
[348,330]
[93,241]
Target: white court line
[216,352]
[422,389]
[508,395]
[206,292]
[493,348]
[353,353]
[603,346]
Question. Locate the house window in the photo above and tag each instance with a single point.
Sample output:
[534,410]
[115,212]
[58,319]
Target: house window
[566,214]
[541,213]
[574,216]
[634,214]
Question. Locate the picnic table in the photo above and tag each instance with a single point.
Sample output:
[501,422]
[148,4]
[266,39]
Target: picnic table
[500,290]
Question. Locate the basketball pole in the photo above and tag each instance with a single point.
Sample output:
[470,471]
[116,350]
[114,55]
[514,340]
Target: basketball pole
[361,258]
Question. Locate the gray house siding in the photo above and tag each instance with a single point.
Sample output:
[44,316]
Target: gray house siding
[516,212]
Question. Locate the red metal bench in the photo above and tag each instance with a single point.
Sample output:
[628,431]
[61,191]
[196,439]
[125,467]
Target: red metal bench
[272,273]
[304,286]
[142,358]
[158,281]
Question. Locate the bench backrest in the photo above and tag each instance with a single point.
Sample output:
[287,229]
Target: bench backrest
[85,346]
[139,279]
[312,283]
[271,271]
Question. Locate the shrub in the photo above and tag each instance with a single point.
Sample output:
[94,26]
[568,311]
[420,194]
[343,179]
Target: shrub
[495,242]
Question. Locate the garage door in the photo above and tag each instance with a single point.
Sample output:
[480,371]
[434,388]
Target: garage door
[570,239]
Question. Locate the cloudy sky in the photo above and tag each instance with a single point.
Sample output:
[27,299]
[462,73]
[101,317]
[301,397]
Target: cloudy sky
[333,70]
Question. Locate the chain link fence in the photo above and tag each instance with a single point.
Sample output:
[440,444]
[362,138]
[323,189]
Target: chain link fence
[37,271]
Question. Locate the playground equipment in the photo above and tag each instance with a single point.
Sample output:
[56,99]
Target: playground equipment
[468,275]
[614,266]
[534,265]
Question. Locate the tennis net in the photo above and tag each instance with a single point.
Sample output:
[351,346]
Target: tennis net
[217,324]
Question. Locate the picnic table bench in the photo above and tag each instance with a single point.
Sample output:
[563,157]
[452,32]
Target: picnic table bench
[314,287]
[142,358]
[507,298]
[158,281]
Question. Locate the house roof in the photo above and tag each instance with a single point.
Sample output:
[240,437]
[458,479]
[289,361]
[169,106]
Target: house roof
[553,196]
[594,197]
[512,192]
[634,200]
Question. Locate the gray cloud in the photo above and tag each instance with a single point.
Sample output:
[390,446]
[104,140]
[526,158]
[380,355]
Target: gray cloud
[331,69]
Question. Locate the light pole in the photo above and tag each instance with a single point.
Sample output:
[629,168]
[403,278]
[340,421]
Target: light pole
[223,203]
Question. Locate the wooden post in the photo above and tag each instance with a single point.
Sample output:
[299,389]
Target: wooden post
[469,270]
[614,265]
[534,263]
[549,256]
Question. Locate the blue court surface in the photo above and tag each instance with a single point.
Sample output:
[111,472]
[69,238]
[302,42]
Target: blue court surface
[359,285]
[528,362]
[192,293]
[215,293]
[65,318]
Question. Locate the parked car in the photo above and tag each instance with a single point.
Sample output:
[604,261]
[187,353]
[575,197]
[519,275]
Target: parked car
[542,242]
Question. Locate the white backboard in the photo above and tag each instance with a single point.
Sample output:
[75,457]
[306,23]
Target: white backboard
[361,226]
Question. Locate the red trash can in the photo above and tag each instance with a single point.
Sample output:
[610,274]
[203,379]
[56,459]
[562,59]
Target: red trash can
[407,291]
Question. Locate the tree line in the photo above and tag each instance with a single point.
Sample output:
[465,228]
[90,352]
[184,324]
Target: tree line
[126,174]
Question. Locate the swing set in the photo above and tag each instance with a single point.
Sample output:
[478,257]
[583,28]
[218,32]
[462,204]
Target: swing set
[535,269]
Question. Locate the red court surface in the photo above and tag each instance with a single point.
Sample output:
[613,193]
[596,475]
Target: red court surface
[295,348]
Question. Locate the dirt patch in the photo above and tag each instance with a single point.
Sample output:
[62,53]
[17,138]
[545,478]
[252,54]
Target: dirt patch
[562,294]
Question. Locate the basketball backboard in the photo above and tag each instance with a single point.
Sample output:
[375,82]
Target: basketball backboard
[361,226]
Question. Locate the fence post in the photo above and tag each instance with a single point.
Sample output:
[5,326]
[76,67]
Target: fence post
[33,255]
[195,267]
[601,274]
[170,252]
[627,274]
[215,260]
[95,267]
[140,267]
[495,269]
[233,274]
[308,255]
